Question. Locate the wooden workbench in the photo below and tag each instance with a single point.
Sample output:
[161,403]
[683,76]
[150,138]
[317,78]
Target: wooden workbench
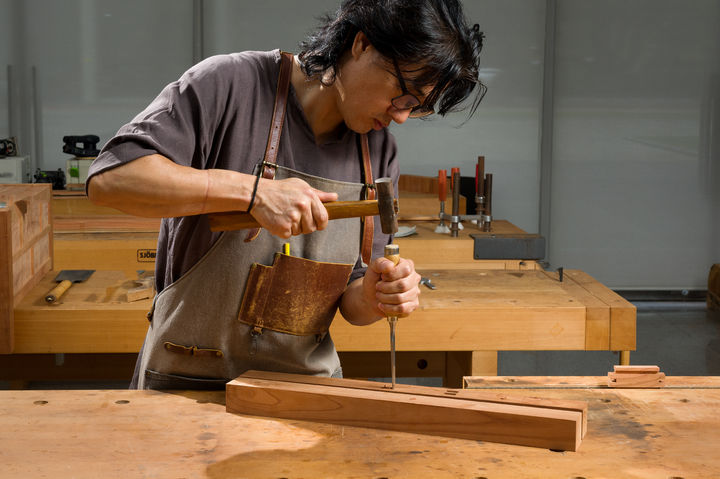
[632,434]
[456,331]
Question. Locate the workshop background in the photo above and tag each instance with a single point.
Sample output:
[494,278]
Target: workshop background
[601,127]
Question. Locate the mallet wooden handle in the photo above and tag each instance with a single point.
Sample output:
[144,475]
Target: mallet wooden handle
[58,291]
[233,220]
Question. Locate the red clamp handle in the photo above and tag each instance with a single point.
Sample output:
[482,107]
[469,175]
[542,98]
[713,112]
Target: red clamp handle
[442,184]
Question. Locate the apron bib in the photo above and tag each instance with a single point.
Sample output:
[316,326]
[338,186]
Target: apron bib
[211,325]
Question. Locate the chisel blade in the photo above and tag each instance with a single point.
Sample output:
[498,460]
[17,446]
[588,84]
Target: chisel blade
[392,320]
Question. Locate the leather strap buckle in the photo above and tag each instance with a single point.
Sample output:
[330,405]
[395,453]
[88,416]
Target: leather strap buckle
[192,350]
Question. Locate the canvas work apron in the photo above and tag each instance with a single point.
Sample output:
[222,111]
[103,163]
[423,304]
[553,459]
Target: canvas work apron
[246,305]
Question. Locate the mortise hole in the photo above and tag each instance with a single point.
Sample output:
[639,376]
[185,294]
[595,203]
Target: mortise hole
[122,401]
[40,403]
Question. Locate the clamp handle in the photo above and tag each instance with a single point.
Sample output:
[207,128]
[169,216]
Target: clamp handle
[442,184]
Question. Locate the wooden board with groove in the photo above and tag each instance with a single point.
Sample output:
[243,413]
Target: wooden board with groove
[442,412]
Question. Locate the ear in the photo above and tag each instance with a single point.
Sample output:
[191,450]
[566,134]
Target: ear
[360,45]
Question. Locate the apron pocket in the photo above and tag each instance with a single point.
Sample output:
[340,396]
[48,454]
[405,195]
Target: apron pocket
[156,380]
[294,295]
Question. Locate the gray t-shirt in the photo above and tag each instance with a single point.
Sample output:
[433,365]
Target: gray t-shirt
[217,115]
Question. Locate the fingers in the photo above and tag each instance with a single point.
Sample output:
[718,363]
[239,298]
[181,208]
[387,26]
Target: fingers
[291,207]
[398,290]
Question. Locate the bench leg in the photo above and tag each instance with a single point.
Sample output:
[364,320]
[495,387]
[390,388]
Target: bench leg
[624,358]
[468,363]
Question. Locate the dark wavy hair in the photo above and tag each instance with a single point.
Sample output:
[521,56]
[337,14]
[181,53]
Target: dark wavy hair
[431,33]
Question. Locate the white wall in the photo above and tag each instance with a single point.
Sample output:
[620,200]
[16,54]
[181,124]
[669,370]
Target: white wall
[634,193]
[633,182]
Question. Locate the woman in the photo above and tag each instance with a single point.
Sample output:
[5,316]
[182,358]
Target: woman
[277,136]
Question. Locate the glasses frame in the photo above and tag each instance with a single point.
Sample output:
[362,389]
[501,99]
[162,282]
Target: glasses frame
[416,110]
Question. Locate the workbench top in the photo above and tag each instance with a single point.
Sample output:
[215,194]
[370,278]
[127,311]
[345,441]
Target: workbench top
[470,310]
[662,433]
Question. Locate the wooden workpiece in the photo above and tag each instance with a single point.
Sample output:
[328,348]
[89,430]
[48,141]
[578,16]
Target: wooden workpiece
[632,433]
[636,377]
[552,424]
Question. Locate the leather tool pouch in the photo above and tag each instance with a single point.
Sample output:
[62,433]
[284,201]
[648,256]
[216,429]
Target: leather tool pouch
[295,295]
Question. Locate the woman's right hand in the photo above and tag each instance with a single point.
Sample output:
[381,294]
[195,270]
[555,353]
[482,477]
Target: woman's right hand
[290,207]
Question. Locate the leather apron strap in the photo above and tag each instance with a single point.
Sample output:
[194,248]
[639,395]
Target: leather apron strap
[268,167]
[368,221]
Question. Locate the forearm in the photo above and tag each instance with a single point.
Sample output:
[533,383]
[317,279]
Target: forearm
[154,186]
[356,308]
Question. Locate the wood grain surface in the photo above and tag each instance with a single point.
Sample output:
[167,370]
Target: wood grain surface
[632,434]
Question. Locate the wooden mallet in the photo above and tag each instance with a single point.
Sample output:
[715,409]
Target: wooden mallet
[234,220]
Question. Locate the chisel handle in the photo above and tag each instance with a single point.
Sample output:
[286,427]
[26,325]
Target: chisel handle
[233,220]
[58,291]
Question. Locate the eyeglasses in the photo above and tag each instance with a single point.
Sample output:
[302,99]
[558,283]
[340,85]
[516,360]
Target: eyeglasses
[408,101]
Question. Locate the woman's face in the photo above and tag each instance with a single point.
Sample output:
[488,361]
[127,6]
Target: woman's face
[365,88]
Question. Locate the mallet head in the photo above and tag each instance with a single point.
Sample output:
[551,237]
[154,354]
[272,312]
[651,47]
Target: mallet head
[386,205]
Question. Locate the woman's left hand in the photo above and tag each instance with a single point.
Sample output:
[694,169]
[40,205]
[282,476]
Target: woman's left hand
[394,289]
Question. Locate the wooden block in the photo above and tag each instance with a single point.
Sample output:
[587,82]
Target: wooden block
[26,243]
[635,369]
[636,377]
[144,290]
[440,412]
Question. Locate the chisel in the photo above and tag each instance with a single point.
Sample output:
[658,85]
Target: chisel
[392,252]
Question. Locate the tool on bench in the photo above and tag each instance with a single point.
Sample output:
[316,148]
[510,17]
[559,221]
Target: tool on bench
[88,149]
[483,200]
[483,194]
[442,192]
[427,282]
[65,279]
[455,189]
[233,220]
[388,222]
